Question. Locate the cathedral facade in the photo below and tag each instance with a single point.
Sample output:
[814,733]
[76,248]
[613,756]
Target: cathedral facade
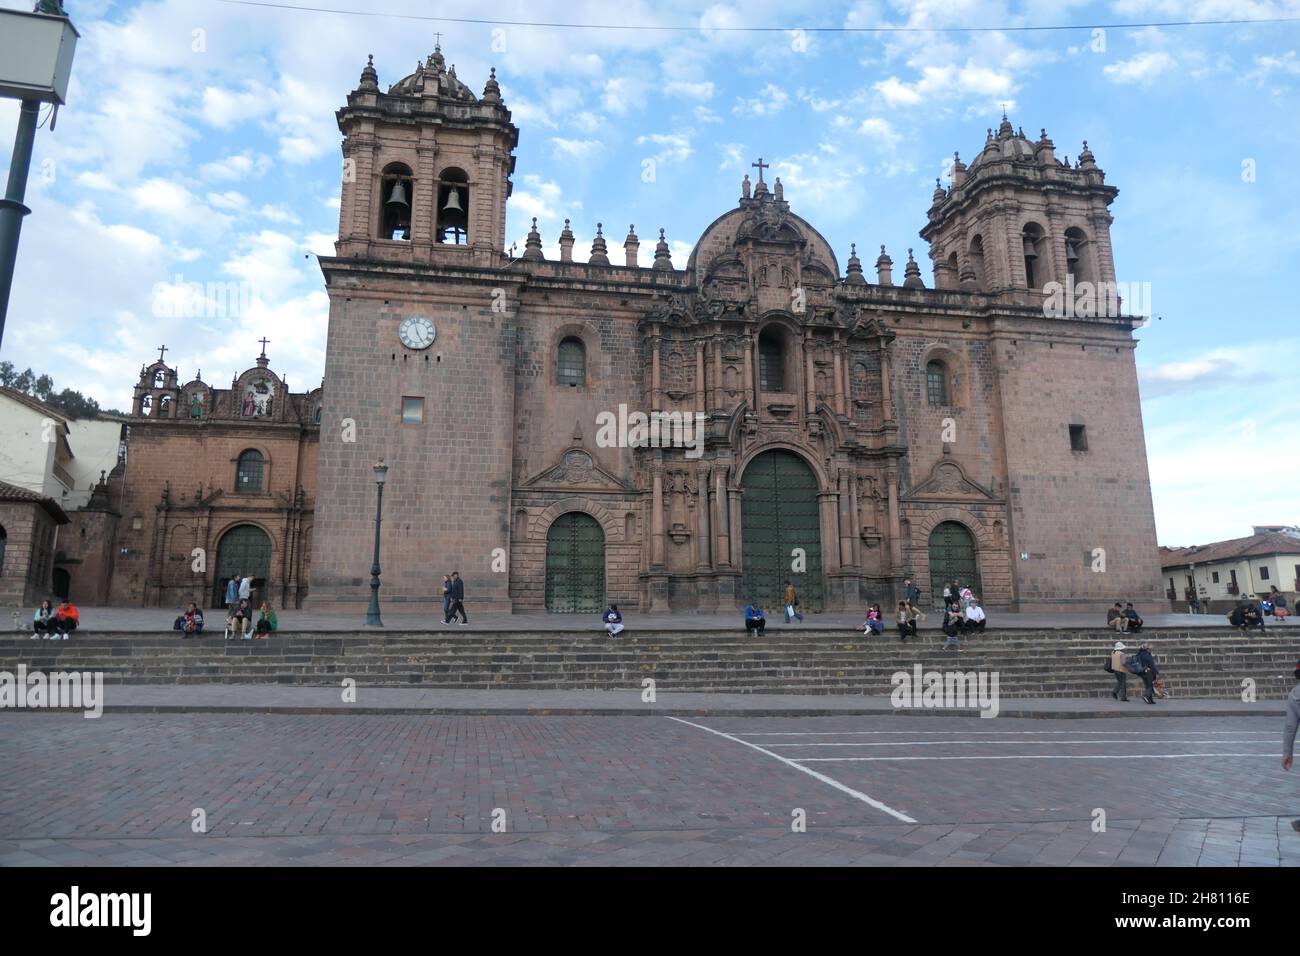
[809,423]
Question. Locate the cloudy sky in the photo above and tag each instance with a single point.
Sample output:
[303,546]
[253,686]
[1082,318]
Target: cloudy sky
[199,144]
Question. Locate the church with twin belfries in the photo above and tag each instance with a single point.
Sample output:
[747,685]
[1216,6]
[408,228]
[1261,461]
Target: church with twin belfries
[837,424]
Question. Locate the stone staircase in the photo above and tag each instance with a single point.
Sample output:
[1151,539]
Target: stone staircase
[1041,663]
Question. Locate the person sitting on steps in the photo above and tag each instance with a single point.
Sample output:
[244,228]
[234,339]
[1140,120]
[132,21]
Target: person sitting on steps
[1134,621]
[754,619]
[906,623]
[43,621]
[613,620]
[266,622]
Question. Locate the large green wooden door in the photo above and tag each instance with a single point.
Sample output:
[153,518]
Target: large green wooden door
[779,513]
[952,558]
[575,564]
[244,549]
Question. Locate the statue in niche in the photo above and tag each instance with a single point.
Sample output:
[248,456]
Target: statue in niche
[196,405]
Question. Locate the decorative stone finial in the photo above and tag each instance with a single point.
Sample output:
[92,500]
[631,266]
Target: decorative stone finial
[492,89]
[369,76]
[853,271]
[663,257]
[631,246]
[533,244]
[599,256]
[884,268]
[912,274]
[566,243]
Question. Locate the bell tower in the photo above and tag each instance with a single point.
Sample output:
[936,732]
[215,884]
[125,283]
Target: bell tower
[426,168]
[1017,219]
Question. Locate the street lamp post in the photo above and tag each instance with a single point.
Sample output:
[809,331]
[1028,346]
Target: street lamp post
[372,615]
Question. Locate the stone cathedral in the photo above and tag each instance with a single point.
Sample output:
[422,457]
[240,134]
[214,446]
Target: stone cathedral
[856,430]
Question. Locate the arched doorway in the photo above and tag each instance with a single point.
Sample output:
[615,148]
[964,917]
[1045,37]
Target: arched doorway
[62,584]
[245,548]
[575,564]
[952,558]
[779,513]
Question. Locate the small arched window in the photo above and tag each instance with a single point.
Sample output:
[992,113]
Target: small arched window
[977,262]
[453,208]
[1031,238]
[1075,260]
[771,363]
[936,383]
[398,192]
[248,475]
[571,363]
[954,271]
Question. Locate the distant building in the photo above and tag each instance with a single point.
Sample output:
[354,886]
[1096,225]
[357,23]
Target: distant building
[1226,570]
[53,501]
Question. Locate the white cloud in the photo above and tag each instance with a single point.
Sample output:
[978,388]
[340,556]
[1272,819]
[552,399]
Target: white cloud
[224,108]
[1143,68]
[581,149]
[676,147]
[703,90]
[770,100]
[236,167]
[623,93]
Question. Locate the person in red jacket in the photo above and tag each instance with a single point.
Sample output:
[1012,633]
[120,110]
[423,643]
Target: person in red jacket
[65,620]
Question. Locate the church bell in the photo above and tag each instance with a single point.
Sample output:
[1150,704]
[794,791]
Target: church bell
[1029,248]
[453,202]
[398,196]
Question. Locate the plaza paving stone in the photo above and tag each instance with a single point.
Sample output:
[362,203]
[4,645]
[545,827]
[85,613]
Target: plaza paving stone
[421,789]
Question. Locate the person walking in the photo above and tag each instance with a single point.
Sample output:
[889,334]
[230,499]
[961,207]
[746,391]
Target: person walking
[246,587]
[1145,667]
[613,620]
[791,603]
[446,599]
[232,594]
[1119,667]
[913,594]
[457,599]
[754,619]
[1289,731]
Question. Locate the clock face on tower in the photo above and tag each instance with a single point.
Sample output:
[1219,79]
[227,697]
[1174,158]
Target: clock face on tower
[417,332]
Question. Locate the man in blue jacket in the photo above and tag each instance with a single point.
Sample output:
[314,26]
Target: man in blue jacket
[754,619]
[458,598]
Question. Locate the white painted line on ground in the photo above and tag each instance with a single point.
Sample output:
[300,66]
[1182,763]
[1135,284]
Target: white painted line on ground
[927,733]
[977,743]
[1031,757]
[856,794]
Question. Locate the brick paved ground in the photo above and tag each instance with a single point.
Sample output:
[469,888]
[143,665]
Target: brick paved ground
[412,789]
[137,619]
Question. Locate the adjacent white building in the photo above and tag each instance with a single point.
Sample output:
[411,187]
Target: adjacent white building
[1224,571]
[44,451]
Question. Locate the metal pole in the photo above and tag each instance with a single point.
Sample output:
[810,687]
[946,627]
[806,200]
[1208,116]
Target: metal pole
[372,615]
[12,209]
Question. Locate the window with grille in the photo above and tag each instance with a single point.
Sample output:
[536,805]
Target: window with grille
[771,365]
[936,383]
[248,476]
[572,366]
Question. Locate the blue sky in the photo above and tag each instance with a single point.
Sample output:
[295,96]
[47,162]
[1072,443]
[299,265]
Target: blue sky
[199,141]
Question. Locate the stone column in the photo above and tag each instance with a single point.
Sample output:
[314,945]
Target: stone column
[895,529]
[699,377]
[722,540]
[886,403]
[657,517]
[702,518]
[735,544]
[656,391]
[845,520]
[750,377]
[716,345]
[827,502]
[855,521]
[810,374]
[836,357]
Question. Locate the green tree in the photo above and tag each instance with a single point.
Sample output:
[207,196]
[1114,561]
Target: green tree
[43,387]
[23,383]
[74,404]
[8,375]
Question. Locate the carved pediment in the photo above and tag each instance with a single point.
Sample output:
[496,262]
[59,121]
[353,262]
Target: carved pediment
[577,469]
[947,480]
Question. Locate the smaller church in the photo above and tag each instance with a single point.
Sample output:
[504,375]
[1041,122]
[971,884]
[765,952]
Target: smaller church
[210,482]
